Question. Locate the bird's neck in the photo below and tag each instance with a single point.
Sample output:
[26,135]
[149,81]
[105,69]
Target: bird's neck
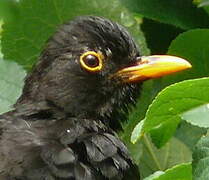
[110,109]
[46,110]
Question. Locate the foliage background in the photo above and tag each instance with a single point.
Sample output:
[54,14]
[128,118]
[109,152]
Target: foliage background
[169,140]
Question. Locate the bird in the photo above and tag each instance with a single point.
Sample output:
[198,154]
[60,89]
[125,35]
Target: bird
[64,124]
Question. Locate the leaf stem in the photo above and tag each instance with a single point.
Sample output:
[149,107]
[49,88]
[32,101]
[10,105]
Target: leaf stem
[167,147]
[150,149]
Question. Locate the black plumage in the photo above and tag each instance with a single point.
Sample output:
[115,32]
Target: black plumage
[62,125]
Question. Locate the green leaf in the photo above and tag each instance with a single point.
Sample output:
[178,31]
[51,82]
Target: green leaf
[37,21]
[155,175]
[136,134]
[201,160]
[164,113]
[7,9]
[198,116]
[180,13]
[1,22]
[153,159]
[179,172]
[189,134]
[11,83]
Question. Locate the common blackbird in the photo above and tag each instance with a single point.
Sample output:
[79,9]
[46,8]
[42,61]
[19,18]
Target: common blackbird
[62,126]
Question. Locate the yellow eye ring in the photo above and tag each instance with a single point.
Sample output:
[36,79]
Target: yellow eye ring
[92,61]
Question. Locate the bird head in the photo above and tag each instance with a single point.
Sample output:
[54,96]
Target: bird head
[91,67]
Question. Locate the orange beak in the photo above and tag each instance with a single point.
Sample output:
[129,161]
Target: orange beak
[149,67]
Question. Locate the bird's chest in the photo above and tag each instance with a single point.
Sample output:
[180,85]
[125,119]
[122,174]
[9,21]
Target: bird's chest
[20,146]
[15,157]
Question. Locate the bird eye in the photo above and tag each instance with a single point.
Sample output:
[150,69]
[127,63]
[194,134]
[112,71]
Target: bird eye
[91,61]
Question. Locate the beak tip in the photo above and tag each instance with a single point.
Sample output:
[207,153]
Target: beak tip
[189,65]
[182,64]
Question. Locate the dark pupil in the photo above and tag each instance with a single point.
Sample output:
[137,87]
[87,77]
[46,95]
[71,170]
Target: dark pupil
[91,60]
